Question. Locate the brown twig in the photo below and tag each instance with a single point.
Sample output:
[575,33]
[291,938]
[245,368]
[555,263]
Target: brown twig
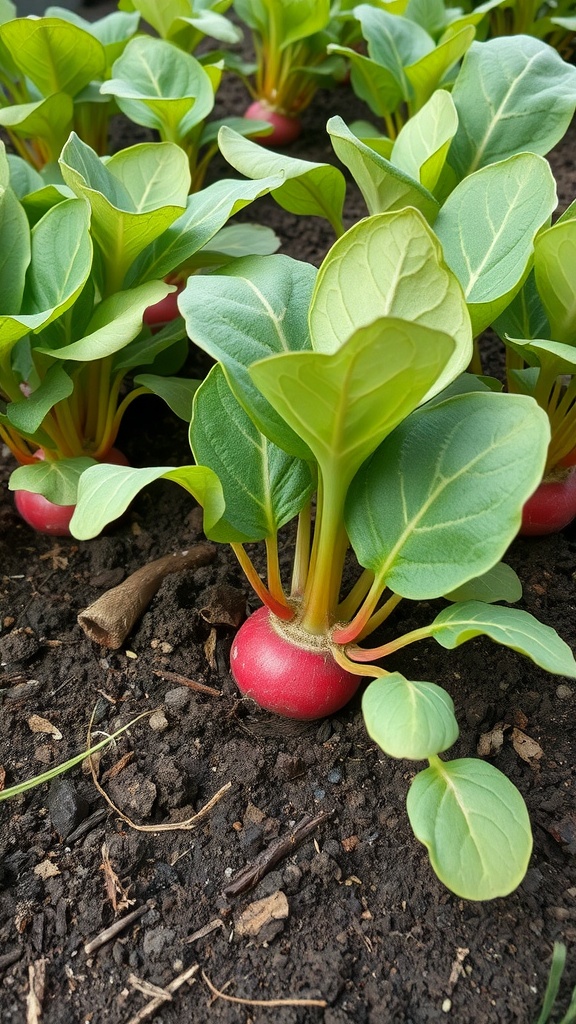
[115,929]
[109,620]
[261,1002]
[175,677]
[206,930]
[36,991]
[249,876]
[150,1009]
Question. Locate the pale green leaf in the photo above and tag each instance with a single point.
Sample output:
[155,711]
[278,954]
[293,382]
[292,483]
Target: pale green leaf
[28,413]
[56,481]
[307,189]
[105,492]
[426,74]
[554,263]
[441,499]
[14,251]
[55,55]
[177,392]
[48,120]
[390,265]
[61,260]
[510,627]
[384,186]
[409,719]
[375,85]
[423,143]
[487,228]
[475,826]
[513,94]
[500,583]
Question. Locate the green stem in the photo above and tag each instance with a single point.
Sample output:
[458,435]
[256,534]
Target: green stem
[327,559]
[349,606]
[273,570]
[302,551]
[371,671]
[375,653]
[351,632]
[380,616]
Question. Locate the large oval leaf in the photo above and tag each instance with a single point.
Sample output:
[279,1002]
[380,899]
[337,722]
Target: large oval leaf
[14,251]
[390,265]
[423,143]
[487,229]
[510,627]
[554,262]
[52,53]
[529,96]
[409,719]
[441,499]
[475,826]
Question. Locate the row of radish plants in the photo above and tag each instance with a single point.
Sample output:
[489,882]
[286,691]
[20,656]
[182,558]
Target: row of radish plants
[350,399]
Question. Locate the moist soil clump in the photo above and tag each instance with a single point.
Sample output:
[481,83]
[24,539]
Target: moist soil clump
[348,912]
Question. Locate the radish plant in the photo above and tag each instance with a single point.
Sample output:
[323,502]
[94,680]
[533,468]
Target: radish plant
[83,264]
[186,23]
[539,331]
[50,72]
[555,21]
[338,401]
[291,61]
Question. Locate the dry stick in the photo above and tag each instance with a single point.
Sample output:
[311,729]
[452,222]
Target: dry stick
[115,929]
[261,1002]
[175,677]
[265,861]
[36,992]
[109,620]
[159,1000]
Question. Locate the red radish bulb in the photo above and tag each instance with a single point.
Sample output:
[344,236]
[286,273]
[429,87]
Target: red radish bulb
[289,678]
[285,129]
[164,311]
[45,516]
[551,507]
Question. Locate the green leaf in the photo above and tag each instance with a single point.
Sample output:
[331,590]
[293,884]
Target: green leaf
[500,583]
[285,23]
[134,196]
[487,229]
[14,251]
[48,120]
[475,826]
[555,356]
[383,185]
[390,265]
[61,260]
[525,316]
[105,492]
[238,240]
[375,85]
[206,213]
[448,487]
[113,30]
[408,719]
[530,99]
[116,321]
[394,42]
[510,627]
[423,143]
[56,481]
[177,392]
[256,307]
[157,85]
[55,55]
[263,486]
[344,403]
[27,415]
[307,188]
[554,260]
[426,74]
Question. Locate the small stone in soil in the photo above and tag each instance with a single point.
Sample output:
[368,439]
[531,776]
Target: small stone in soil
[65,807]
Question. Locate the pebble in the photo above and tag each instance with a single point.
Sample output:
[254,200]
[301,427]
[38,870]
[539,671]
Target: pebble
[335,776]
[158,721]
[564,692]
[177,700]
[65,807]
[319,794]
[156,940]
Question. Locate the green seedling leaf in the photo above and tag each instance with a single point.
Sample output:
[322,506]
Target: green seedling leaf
[525,316]
[383,185]
[500,583]
[27,415]
[15,252]
[394,41]
[426,74]
[263,486]
[449,486]
[113,30]
[487,229]
[56,481]
[531,96]
[475,826]
[266,299]
[240,240]
[556,357]
[54,54]
[133,197]
[408,719]
[116,321]
[344,403]
[390,265]
[105,492]
[287,23]
[423,143]
[146,348]
[377,86]
[554,260]
[177,392]
[510,627]
[48,120]
[157,85]
[307,189]
[206,213]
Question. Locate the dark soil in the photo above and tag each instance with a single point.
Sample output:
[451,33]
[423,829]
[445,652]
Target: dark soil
[369,927]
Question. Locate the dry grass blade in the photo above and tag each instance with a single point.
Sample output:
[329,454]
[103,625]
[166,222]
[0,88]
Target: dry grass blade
[262,1002]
